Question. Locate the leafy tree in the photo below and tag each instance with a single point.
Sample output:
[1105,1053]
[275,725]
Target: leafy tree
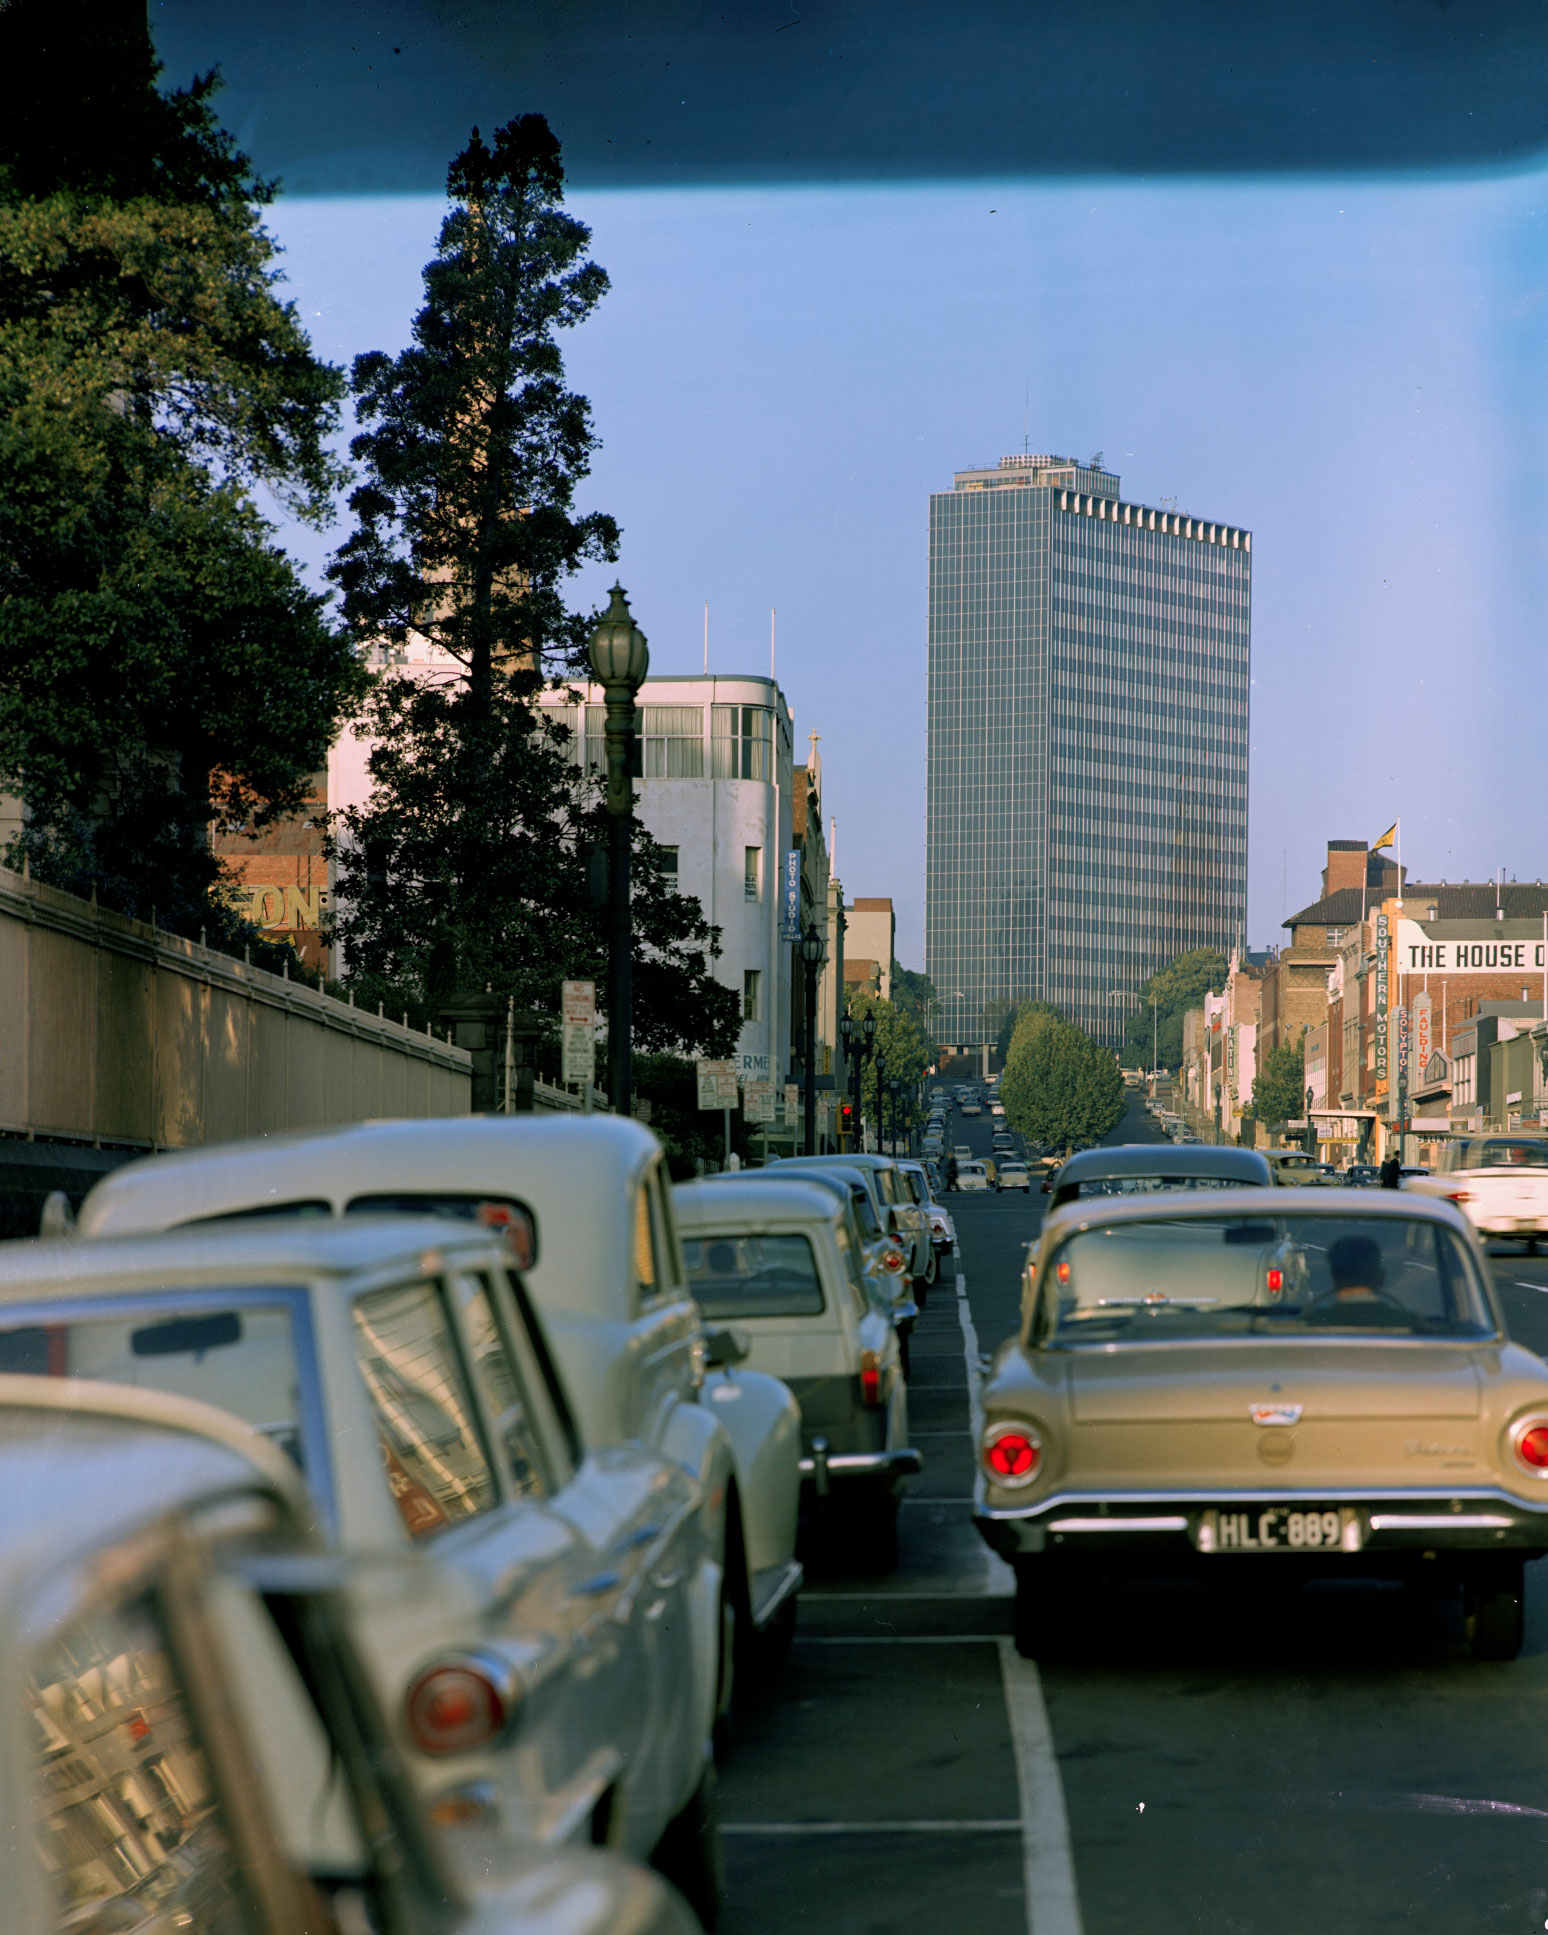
[1060,1088]
[1177,987]
[900,1040]
[1279,1087]
[1020,1012]
[913,993]
[162,667]
[467,867]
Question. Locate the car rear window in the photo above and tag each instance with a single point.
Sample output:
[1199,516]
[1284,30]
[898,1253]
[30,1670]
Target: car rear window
[503,1213]
[753,1276]
[1147,1185]
[1500,1153]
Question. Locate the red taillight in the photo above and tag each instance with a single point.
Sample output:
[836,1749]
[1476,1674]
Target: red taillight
[458,1705]
[870,1378]
[892,1260]
[1012,1453]
[1276,1282]
[1459,1196]
[1532,1447]
[1062,1272]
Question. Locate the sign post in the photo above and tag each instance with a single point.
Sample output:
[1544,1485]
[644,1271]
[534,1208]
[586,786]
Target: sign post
[718,1090]
[578,1005]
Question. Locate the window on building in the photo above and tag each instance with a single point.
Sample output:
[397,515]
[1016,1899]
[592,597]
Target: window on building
[742,737]
[673,737]
[668,857]
[752,872]
[1335,937]
[750,982]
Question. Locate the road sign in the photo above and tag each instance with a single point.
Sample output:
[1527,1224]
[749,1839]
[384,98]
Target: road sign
[792,1104]
[580,1052]
[578,1003]
[758,1101]
[717,1085]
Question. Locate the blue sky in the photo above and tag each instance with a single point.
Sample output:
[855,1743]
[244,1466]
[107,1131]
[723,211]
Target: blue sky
[1355,371]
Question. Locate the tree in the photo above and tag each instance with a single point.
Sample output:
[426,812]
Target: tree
[1279,1087]
[1177,987]
[899,1040]
[1020,1012]
[162,667]
[1060,1088]
[913,993]
[467,867]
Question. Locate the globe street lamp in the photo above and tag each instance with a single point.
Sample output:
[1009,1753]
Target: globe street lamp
[811,960]
[619,662]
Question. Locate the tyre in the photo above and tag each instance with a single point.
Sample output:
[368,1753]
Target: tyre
[903,1351]
[689,1852]
[1494,1610]
[770,1649]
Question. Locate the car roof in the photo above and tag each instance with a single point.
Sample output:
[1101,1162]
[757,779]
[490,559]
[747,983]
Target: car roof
[83,1465]
[1269,1200]
[1164,1159]
[736,1199]
[239,1252]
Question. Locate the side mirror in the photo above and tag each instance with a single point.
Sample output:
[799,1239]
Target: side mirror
[723,1348]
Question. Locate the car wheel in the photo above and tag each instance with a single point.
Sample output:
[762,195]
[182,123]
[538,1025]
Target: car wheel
[771,1649]
[689,1852]
[1494,1610]
[903,1353]
[932,1269]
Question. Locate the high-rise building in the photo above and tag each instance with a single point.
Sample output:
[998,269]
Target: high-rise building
[1087,795]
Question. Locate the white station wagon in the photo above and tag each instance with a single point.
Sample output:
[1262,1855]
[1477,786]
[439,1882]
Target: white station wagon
[777,1260]
[588,1207]
[181,1687]
[551,1657]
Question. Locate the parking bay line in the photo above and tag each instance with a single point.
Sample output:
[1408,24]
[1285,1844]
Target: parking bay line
[1048,1867]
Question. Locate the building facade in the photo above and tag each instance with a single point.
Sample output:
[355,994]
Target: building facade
[1088,749]
[871,936]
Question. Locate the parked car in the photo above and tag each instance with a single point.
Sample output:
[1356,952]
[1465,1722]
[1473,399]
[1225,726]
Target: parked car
[900,1215]
[1336,1396]
[587,1205]
[926,1184]
[1361,1175]
[191,1737]
[776,1260]
[398,1364]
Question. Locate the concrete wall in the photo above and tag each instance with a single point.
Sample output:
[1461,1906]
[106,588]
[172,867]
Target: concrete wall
[113,1031]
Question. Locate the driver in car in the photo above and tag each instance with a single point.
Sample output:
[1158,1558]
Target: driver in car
[1354,1263]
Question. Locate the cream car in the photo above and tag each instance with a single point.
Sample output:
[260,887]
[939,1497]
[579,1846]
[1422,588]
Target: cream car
[1499,1182]
[776,1260]
[1270,1375]
[588,1207]
[551,1657]
[183,1687]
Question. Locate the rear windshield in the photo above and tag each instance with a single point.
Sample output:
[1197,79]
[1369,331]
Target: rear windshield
[503,1213]
[1149,1185]
[1234,1275]
[1500,1153]
[753,1276]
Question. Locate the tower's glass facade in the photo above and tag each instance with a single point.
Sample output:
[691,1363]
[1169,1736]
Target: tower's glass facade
[1087,792]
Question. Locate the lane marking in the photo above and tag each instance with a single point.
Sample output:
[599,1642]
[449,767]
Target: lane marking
[1048,1866]
[1543,1287]
[869,1827]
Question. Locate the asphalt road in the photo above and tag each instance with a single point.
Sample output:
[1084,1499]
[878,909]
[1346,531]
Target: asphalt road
[1258,1762]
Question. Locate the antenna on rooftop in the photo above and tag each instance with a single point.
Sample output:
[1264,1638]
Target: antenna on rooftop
[1096,462]
[1026,421]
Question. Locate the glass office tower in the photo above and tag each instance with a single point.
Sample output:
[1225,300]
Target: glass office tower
[1087,790]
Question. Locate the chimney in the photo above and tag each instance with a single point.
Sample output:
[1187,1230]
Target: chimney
[1346,866]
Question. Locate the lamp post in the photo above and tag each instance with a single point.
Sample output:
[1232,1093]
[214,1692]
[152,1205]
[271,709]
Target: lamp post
[619,661]
[811,960]
[1309,1140]
[895,1091]
[881,1072]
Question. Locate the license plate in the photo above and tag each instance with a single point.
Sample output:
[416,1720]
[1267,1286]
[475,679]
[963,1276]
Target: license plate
[1526,1224]
[1279,1528]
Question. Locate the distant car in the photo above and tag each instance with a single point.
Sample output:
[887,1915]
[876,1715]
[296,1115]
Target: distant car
[972,1176]
[962,1152]
[1321,1386]
[1499,1182]
[191,1735]
[972,1108]
[943,1232]
[775,1261]
[1361,1175]
[1295,1169]
[997,1109]
[1014,1175]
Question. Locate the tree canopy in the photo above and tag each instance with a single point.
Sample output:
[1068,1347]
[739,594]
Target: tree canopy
[913,993]
[900,1041]
[1177,987]
[1060,1089]
[1279,1087]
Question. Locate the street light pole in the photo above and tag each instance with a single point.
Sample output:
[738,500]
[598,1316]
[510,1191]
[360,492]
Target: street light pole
[811,960]
[619,661]
[881,1070]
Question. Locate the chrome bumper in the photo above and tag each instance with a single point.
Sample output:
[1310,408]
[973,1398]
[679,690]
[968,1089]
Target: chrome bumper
[1389,1522]
[826,1467]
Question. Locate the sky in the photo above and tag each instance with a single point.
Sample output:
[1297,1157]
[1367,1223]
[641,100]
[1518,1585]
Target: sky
[1355,371]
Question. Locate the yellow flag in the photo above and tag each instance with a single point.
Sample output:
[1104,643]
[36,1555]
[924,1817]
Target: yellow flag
[1387,838]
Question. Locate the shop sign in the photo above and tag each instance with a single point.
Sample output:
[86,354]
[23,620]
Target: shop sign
[1382,943]
[792,927]
[1421,1032]
[1482,953]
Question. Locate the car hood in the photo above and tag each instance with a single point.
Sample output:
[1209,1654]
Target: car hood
[1181,1383]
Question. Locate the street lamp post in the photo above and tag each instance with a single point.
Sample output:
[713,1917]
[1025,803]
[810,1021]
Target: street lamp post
[811,960]
[881,1071]
[619,661]
[1309,1139]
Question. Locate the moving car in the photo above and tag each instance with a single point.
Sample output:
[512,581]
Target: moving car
[972,1176]
[1499,1182]
[1361,1175]
[396,1363]
[1265,1374]
[184,1686]
[1014,1175]
[586,1206]
[1295,1169]
[776,1260]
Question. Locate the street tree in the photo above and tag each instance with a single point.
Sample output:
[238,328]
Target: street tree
[1279,1087]
[1013,1020]
[1179,986]
[899,1039]
[162,666]
[467,865]
[914,993]
[1060,1088]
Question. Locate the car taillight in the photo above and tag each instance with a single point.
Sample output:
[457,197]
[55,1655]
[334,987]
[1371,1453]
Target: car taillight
[1062,1272]
[1529,1440]
[870,1378]
[459,1704]
[1012,1454]
[892,1259]
[1459,1195]
[1276,1282]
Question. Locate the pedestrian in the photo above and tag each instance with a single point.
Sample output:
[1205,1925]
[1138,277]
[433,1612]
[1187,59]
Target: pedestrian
[1391,1171]
[951,1172]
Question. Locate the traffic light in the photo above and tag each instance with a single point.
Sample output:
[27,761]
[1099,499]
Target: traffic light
[846,1119]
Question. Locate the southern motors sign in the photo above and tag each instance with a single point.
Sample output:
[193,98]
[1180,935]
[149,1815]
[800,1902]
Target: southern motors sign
[1483,951]
[1381,997]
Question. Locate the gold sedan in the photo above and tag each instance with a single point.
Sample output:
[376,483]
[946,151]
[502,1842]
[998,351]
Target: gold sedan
[1274,1378]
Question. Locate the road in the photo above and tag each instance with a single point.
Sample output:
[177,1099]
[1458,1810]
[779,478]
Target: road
[1331,1759]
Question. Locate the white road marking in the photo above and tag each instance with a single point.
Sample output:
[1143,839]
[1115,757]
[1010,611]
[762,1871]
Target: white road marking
[975,1376]
[1053,1907]
[1532,1286]
[869,1827]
